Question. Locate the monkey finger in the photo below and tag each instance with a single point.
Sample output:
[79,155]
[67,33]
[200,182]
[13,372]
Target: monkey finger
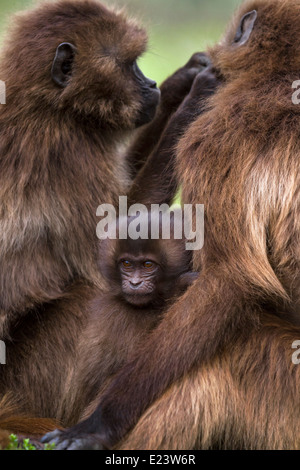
[198,60]
[192,73]
[58,438]
[205,83]
[84,442]
[51,437]
[87,442]
[69,440]
[178,85]
[197,63]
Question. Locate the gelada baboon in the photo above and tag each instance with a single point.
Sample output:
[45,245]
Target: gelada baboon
[145,272]
[144,276]
[74,93]
[217,371]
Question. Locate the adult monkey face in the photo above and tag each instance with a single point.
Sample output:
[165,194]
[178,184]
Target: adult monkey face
[144,90]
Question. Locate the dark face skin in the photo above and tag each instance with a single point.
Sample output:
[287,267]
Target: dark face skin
[150,96]
[139,279]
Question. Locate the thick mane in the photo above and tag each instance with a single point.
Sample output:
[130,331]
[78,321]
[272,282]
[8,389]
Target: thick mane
[103,39]
[59,155]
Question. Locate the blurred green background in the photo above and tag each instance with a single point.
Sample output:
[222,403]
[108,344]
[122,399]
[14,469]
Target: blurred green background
[177,28]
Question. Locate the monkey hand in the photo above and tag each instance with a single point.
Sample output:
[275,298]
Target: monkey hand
[178,86]
[185,280]
[204,85]
[74,439]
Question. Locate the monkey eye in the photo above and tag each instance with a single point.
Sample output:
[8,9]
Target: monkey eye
[148,265]
[126,264]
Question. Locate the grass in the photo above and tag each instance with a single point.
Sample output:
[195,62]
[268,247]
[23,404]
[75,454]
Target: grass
[14,444]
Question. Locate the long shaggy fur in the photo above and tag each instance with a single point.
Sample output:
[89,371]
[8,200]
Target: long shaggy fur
[14,420]
[217,371]
[59,159]
[116,327]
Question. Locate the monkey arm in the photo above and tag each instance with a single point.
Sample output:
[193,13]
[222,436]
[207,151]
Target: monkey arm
[233,388]
[190,334]
[240,393]
[156,183]
[180,342]
[185,280]
[173,91]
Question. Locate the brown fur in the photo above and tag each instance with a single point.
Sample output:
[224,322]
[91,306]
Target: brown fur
[59,160]
[53,179]
[14,421]
[157,178]
[247,179]
[218,371]
[116,327]
[246,398]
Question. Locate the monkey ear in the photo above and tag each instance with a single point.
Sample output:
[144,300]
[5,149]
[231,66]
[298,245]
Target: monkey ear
[62,64]
[245,28]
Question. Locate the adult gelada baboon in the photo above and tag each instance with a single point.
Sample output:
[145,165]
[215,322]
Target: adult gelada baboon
[74,93]
[217,372]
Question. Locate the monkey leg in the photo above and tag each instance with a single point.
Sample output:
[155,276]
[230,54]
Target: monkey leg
[248,398]
[190,414]
[255,351]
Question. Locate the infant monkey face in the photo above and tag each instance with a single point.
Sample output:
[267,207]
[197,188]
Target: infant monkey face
[139,280]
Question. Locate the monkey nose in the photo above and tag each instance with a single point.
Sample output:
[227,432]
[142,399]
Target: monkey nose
[152,84]
[135,284]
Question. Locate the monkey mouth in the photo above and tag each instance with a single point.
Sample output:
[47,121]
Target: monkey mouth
[138,299]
